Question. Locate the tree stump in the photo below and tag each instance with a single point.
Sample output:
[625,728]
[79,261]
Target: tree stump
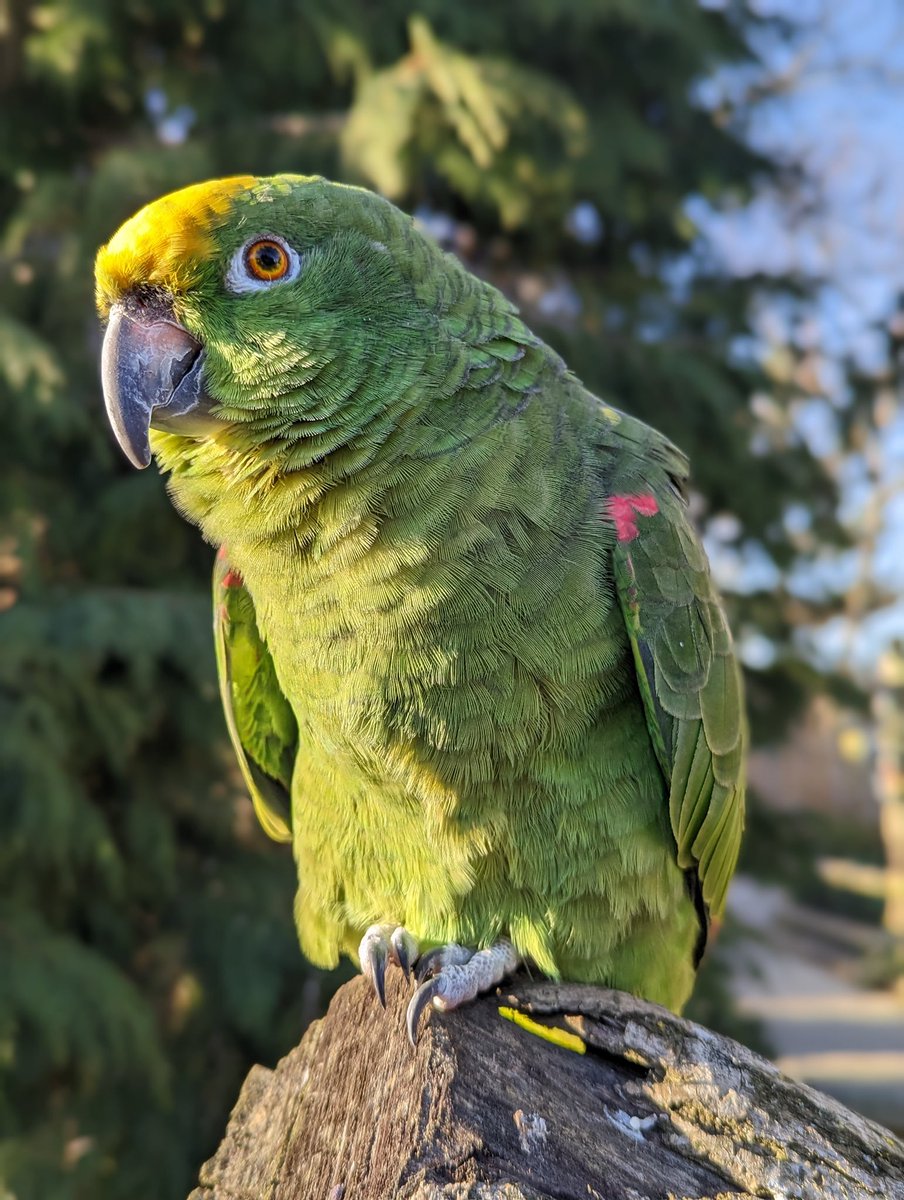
[656,1108]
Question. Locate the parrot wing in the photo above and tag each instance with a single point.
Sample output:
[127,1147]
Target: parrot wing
[688,675]
[261,723]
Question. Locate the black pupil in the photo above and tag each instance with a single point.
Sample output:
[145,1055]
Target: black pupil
[268,258]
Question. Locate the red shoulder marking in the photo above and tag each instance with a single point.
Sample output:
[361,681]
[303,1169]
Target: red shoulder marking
[625,510]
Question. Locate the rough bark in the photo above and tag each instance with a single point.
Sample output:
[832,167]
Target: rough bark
[656,1109]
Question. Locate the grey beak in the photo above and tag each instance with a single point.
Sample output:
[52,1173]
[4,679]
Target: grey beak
[151,370]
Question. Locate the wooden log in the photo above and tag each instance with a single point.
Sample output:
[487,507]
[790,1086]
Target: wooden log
[655,1108]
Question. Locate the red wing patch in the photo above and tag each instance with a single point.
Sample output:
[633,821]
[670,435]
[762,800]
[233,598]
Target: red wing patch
[232,578]
[625,510]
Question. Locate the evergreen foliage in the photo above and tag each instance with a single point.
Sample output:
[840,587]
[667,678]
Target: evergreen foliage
[147,955]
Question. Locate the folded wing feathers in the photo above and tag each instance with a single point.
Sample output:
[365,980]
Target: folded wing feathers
[690,672]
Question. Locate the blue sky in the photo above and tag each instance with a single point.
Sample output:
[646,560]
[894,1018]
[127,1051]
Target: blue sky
[838,113]
[833,108]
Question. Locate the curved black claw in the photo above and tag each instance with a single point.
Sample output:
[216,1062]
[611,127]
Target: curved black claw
[418,1002]
[381,945]
[401,951]
[373,965]
[379,977]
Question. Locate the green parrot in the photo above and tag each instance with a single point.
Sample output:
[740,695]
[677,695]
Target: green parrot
[472,661]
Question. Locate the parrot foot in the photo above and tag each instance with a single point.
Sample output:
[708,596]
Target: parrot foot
[459,975]
[382,944]
[437,960]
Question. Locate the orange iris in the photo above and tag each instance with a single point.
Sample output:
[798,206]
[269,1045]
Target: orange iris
[267,260]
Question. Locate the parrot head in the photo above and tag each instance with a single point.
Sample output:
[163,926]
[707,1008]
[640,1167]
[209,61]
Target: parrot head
[264,309]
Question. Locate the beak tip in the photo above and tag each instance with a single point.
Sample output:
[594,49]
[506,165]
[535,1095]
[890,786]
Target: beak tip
[130,429]
[140,459]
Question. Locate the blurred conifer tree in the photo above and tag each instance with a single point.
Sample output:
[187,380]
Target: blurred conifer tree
[147,954]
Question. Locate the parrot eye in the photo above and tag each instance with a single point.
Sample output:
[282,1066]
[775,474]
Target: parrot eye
[261,262]
[266,260]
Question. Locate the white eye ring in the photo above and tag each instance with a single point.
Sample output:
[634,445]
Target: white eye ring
[239,278]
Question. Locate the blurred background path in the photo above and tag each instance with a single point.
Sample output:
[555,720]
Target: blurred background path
[797,973]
